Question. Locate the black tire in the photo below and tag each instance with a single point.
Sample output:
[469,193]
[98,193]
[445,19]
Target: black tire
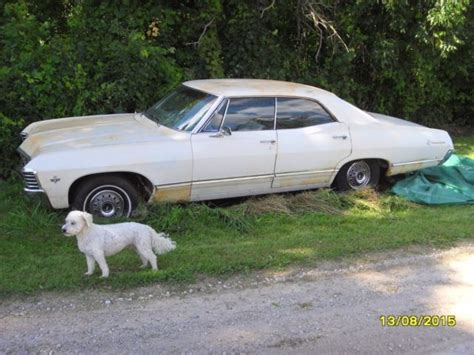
[106,196]
[357,175]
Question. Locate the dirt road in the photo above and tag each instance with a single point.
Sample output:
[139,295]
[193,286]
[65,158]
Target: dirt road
[333,308]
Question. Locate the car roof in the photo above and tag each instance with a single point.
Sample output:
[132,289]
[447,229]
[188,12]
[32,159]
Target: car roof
[255,88]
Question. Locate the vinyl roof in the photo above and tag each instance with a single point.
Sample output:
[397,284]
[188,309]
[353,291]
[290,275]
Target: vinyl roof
[255,87]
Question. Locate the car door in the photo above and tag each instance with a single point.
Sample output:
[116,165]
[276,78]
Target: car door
[241,163]
[310,144]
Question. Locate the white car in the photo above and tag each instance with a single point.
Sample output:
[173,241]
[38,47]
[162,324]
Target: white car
[212,139]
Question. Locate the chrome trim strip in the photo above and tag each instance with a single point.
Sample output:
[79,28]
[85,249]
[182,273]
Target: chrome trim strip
[225,113]
[275,115]
[28,170]
[205,120]
[249,178]
[415,162]
[30,181]
[208,115]
[33,191]
[172,186]
[306,172]
[244,178]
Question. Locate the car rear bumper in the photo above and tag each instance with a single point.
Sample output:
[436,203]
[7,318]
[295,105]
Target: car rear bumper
[446,156]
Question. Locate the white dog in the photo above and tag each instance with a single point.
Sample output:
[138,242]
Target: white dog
[98,241]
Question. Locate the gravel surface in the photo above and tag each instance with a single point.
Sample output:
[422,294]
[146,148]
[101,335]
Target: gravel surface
[333,308]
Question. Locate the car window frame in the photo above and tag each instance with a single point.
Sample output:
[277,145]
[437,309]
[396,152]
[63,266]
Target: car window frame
[200,128]
[225,101]
[330,114]
[229,98]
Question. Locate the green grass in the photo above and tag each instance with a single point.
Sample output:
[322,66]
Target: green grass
[465,146]
[271,232]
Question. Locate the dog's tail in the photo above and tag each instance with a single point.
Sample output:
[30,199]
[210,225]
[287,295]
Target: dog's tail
[161,243]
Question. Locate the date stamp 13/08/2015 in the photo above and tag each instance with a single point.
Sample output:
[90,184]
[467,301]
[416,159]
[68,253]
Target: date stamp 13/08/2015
[417,320]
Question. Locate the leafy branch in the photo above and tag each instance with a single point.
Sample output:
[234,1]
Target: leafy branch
[311,18]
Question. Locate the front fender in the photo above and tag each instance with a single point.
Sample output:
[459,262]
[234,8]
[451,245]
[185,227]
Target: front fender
[161,164]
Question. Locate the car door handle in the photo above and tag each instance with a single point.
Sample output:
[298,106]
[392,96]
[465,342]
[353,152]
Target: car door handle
[271,141]
[340,137]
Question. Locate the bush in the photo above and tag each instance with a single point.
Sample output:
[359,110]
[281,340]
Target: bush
[9,140]
[102,62]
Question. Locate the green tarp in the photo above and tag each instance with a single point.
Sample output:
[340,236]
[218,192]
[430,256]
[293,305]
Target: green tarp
[450,183]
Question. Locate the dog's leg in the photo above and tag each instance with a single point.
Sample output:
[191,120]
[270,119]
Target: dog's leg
[146,252]
[152,259]
[144,260]
[90,265]
[100,258]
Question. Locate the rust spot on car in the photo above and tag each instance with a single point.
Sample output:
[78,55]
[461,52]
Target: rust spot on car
[181,193]
[402,169]
[298,180]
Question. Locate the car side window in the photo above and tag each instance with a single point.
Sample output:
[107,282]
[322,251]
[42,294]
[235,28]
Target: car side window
[214,124]
[300,113]
[250,114]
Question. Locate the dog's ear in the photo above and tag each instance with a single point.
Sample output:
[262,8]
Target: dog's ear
[87,218]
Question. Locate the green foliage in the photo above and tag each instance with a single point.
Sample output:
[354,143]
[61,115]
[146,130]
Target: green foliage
[61,58]
[101,62]
[9,139]
[185,219]
[444,22]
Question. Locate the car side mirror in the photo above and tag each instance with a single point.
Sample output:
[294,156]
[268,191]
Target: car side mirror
[224,131]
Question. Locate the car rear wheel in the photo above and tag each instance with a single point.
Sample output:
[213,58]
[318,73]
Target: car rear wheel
[106,196]
[357,175]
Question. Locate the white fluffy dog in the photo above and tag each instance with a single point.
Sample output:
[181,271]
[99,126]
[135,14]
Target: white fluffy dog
[98,241]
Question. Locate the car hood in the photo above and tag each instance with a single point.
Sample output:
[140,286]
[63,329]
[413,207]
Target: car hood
[89,131]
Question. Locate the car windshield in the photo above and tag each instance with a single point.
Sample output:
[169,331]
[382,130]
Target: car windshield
[182,109]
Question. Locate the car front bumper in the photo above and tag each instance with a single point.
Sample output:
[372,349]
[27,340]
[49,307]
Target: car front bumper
[38,196]
[33,188]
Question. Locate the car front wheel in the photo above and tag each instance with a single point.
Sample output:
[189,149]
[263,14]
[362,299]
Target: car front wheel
[357,175]
[106,196]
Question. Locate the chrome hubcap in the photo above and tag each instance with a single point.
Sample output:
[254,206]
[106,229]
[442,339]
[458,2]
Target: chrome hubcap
[358,175]
[106,203]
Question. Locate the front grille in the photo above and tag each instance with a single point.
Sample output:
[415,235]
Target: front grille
[31,182]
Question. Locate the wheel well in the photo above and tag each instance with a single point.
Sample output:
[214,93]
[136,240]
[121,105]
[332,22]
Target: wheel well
[382,163]
[143,185]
